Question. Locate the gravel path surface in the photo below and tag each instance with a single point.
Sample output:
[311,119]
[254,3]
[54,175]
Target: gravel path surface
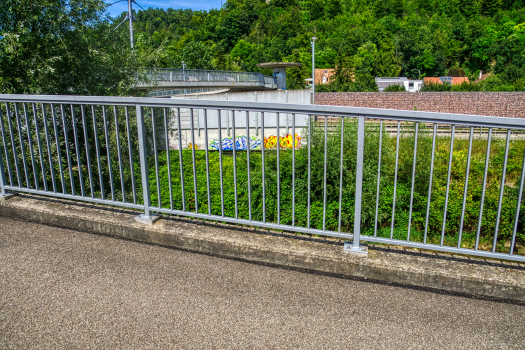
[62,289]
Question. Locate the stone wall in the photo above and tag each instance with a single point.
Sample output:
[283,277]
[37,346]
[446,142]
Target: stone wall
[501,104]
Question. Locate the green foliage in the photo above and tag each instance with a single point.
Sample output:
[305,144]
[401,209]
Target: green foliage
[62,47]
[67,47]
[403,184]
[368,39]
[395,88]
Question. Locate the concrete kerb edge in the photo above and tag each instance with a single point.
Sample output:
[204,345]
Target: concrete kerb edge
[269,250]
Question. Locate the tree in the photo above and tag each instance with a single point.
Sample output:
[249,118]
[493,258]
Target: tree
[62,47]
[196,55]
[333,8]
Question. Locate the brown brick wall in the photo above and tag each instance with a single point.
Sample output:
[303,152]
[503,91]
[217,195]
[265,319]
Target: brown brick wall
[500,104]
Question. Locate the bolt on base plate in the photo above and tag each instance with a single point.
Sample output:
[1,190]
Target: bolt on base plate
[153,218]
[362,250]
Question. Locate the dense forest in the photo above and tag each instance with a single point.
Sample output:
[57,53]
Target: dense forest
[70,46]
[361,38]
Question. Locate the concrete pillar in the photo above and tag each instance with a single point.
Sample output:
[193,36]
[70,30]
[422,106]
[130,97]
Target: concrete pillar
[279,74]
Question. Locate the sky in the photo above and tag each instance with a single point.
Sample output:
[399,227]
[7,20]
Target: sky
[122,6]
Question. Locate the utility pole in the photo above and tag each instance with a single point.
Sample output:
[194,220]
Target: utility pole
[313,69]
[130,17]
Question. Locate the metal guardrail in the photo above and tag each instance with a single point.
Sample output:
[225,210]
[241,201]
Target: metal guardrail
[116,150]
[196,75]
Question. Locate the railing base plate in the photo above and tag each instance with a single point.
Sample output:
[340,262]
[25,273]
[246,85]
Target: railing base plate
[6,196]
[362,250]
[153,218]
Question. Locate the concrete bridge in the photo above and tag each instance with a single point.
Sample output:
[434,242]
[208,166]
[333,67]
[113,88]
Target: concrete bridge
[162,79]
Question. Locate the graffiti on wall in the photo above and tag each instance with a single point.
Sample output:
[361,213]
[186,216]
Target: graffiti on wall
[255,143]
[240,144]
[284,141]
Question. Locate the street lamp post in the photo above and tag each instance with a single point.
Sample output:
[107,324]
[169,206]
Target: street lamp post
[313,69]
[183,68]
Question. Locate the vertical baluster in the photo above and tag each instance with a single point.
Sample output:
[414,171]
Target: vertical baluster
[22,146]
[309,167]
[325,166]
[50,156]
[378,175]
[108,152]
[466,187]
[395,182]
[68,155]
[220,163]
[88,156]
[4,139]
[156,156]
[430,181]
[483,188]
[518,205]
[181,162]
[278,174]
[501,191]
[235,165]
[195,189]
[207,159]
[248,164]
[31,150]
[97,146]
[59,155]
[3,180]
[40,150]
[341,174]
[77,149]
[131,162]
[119,152]
[13,145]
[166,136]
[413,181]
[263,174]
[448,185]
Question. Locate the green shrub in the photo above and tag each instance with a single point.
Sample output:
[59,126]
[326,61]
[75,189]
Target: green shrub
[387,182]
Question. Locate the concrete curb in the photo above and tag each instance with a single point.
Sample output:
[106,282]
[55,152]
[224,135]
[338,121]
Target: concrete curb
[456,274]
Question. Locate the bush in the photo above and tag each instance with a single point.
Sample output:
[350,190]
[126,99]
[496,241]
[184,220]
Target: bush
[387,183]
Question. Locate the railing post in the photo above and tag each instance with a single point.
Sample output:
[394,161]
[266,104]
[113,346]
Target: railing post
[356,247]
[147,217]
[3,180]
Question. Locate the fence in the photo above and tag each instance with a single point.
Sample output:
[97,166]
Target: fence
[207,75]
[345,176]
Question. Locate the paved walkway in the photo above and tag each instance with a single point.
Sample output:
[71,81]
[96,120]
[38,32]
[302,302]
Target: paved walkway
[66,289]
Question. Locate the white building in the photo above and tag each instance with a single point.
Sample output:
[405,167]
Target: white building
[409,84]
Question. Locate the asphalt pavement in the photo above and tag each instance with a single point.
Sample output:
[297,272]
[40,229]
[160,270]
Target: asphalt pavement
[63,289]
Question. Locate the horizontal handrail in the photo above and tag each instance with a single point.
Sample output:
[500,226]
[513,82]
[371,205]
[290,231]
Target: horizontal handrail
[341,111]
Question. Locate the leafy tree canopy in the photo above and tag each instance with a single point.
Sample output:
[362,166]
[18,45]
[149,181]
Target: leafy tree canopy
[62,47]
[68,47]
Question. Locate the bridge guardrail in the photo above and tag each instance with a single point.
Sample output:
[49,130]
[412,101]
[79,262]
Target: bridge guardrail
[198,75]
[352,179]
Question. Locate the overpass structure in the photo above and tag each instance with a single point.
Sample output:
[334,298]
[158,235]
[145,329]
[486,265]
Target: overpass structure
[165,79]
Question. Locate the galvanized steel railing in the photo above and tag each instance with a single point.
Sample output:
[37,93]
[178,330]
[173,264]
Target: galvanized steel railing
[130,152]
[195,75]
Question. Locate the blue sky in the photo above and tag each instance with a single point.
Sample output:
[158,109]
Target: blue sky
[117,9]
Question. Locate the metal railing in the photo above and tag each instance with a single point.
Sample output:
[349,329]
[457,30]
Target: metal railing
[173,92]
[196,75]
[355,180]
